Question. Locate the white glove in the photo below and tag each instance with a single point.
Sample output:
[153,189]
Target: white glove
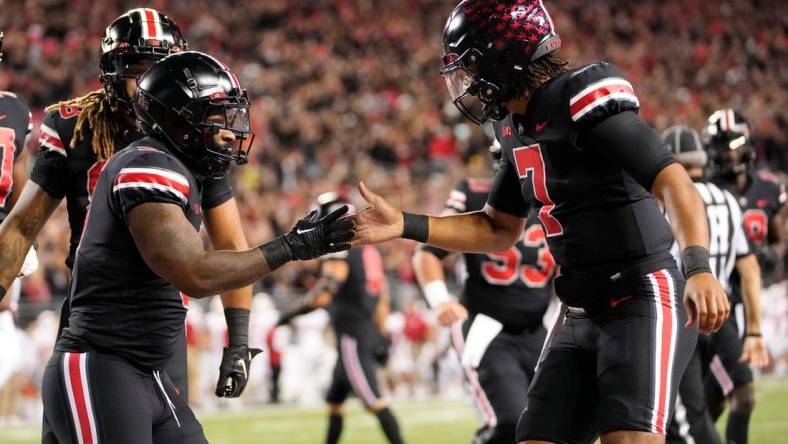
[31,263]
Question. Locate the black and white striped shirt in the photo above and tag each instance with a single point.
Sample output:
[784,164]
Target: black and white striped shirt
[727,241]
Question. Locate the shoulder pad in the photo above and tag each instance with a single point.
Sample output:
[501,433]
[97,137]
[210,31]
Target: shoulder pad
[55,134]
[597,91]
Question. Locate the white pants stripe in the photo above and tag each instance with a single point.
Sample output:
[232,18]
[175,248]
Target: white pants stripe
[665,334]
[478,396]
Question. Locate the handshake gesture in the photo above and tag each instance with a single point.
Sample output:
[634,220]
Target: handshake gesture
[314,236]
[311,237]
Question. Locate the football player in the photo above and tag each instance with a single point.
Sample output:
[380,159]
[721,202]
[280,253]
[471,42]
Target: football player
[576,150]
[353,288]
[729,250]
[141,246]
[14,128]
[762,198]
[77,138]
[505,296]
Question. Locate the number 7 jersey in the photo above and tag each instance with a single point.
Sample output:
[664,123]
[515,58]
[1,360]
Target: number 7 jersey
[592,200]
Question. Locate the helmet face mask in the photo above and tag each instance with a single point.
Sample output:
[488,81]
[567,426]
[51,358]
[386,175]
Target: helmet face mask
[486,44]
[475,97]
[191,101]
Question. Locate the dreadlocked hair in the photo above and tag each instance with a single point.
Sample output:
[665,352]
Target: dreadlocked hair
[98,113]
[537,72]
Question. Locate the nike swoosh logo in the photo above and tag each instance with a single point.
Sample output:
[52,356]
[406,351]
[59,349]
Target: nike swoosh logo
[300,231]
[540,126]
[615,302]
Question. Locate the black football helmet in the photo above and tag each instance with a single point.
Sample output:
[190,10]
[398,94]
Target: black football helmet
[177,101]
[486,43]
[131,44]
[729,143]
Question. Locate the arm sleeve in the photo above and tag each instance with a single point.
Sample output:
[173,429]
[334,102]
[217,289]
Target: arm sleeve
[216,192]
[50,170]
[150,177]
[630,142]
[505,195]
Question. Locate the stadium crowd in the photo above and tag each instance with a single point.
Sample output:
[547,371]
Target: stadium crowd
[350,89]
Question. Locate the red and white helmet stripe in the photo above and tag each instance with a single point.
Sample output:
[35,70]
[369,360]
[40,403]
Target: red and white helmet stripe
[151,23]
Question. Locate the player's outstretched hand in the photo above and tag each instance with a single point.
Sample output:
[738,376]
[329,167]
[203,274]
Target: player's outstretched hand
[450,312]
[379,222]
[312,237]
[755,352]
[234,371]
[706,303]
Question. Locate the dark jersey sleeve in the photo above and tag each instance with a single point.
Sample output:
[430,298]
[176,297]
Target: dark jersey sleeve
[149,177]
[505,194]
[50,171]
[597,92]
[630,142]
[216,192]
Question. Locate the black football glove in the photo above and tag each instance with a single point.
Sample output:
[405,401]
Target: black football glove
[234,371]
[312,237]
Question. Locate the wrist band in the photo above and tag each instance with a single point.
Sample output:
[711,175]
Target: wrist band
[436,293]
[753,335]
[415,227]
[694,260]
[276,253]
[237,325]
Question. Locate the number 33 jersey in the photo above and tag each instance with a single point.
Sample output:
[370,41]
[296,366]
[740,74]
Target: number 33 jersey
[511,286]
[585,161]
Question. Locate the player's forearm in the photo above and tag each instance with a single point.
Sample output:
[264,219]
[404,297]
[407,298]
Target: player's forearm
[223,224]
[427,268]
[431,278]
[12,254]
[750,273]
[477,232]
[224,272]
[683,205]
[20,228]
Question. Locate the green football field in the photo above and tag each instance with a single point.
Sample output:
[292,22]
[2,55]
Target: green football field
[427,422]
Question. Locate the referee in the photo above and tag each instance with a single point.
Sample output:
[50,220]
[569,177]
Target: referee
[728,248]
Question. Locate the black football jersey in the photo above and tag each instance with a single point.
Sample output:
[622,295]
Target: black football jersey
[63,171]
[761,201]
[118,304]
[355,302]
[592,200]
[14,128]
[512,286]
